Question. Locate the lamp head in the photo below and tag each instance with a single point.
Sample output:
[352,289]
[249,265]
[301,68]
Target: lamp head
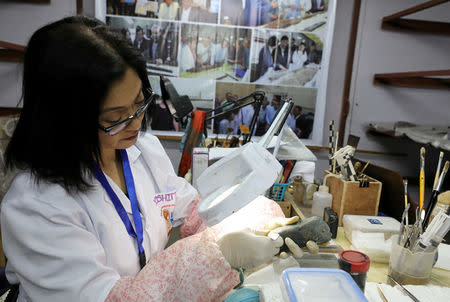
[179,106]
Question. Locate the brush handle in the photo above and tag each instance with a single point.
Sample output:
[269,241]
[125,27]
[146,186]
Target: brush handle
[430,207]
[422,188]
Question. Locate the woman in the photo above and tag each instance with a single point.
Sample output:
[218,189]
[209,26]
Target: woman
[299,56]
[87,217]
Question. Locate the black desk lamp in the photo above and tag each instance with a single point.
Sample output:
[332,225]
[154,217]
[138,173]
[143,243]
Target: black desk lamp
[181,106]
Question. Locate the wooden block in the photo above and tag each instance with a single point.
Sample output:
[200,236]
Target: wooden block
[350,198]
[285,207]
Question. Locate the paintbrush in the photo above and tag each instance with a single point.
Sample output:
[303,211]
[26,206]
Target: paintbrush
[365,167]
[405,184]
[434,195]
[438,169]
[422,177]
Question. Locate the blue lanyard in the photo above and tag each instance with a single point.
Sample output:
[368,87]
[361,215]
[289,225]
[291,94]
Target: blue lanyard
[138,234]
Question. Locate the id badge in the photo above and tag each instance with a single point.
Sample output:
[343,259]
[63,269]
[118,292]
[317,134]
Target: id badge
[166,205]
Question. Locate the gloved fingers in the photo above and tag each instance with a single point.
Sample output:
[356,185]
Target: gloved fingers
[280,221]
[293,247]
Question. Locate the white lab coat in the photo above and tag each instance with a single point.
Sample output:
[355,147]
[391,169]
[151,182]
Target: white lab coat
[63,247]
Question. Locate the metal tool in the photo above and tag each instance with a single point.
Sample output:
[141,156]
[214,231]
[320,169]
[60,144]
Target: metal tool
[405,184]
[404,290]
[438,169]
[404,225]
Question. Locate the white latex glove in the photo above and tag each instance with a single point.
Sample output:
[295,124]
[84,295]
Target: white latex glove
[245,249]
[279,222]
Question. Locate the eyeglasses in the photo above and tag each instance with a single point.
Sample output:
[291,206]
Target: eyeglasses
[119,126]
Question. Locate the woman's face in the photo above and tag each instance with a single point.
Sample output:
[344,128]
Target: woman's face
[123,99]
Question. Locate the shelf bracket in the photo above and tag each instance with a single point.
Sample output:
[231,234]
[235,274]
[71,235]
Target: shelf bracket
[11,52]
[437,79]
[397,22]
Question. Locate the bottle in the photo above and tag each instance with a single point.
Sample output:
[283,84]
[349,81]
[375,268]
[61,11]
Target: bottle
[321,200]
[289,194]
[299,189]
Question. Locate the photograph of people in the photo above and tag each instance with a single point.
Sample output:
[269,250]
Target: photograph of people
[286,58]
[204,11]
[169,10]
[302,15]
[248,12]
[220,53]
[132,8]
[300,119]
[156,40]
[199,11]
[88,215]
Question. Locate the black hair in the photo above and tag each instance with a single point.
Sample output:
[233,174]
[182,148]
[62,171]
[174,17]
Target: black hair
[284,38]
[138,29]
[69,67]
[272,41]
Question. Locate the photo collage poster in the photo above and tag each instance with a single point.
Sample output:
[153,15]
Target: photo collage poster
[217,51]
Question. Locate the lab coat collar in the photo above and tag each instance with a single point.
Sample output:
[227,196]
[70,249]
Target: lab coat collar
[133,153]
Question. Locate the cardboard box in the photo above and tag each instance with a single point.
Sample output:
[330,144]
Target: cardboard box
[350,198]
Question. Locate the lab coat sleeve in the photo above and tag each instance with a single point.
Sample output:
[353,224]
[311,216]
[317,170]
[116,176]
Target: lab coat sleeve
[162,169]
[52,254]
[192,269]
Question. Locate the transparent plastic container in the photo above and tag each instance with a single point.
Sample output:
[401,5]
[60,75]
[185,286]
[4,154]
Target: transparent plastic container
[315,284]
[410,268]
[370,224]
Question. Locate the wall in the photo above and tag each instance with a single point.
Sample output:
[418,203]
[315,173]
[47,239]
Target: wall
[378,51]
[18,22]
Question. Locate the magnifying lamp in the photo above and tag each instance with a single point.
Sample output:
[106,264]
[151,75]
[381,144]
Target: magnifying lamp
[241,176]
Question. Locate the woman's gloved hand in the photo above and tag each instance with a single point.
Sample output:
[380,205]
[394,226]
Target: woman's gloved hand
[246,249]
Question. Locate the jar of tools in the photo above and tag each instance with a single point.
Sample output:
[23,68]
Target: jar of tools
[408,267]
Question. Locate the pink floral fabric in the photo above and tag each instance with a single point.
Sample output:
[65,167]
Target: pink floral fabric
[192,269]
[193,222]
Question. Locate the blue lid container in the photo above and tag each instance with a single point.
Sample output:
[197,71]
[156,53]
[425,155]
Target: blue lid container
[316,284]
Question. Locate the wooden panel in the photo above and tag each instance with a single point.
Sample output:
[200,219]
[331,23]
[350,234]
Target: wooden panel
[9,111]
[437,79]
[350,198]
[8,55]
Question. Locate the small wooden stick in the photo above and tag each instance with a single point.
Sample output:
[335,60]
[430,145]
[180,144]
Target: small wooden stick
[365,167]
[335,150]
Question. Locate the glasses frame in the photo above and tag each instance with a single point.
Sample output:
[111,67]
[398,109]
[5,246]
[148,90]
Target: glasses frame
[150,98]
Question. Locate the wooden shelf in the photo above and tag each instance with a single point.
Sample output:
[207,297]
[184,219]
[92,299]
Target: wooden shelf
[397,22]
[11,52]
[436,79]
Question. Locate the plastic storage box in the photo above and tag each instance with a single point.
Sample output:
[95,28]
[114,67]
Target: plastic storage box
[370,224]
[315,284]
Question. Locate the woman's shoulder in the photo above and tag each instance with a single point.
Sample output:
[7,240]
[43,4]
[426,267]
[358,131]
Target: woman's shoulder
[26,193]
